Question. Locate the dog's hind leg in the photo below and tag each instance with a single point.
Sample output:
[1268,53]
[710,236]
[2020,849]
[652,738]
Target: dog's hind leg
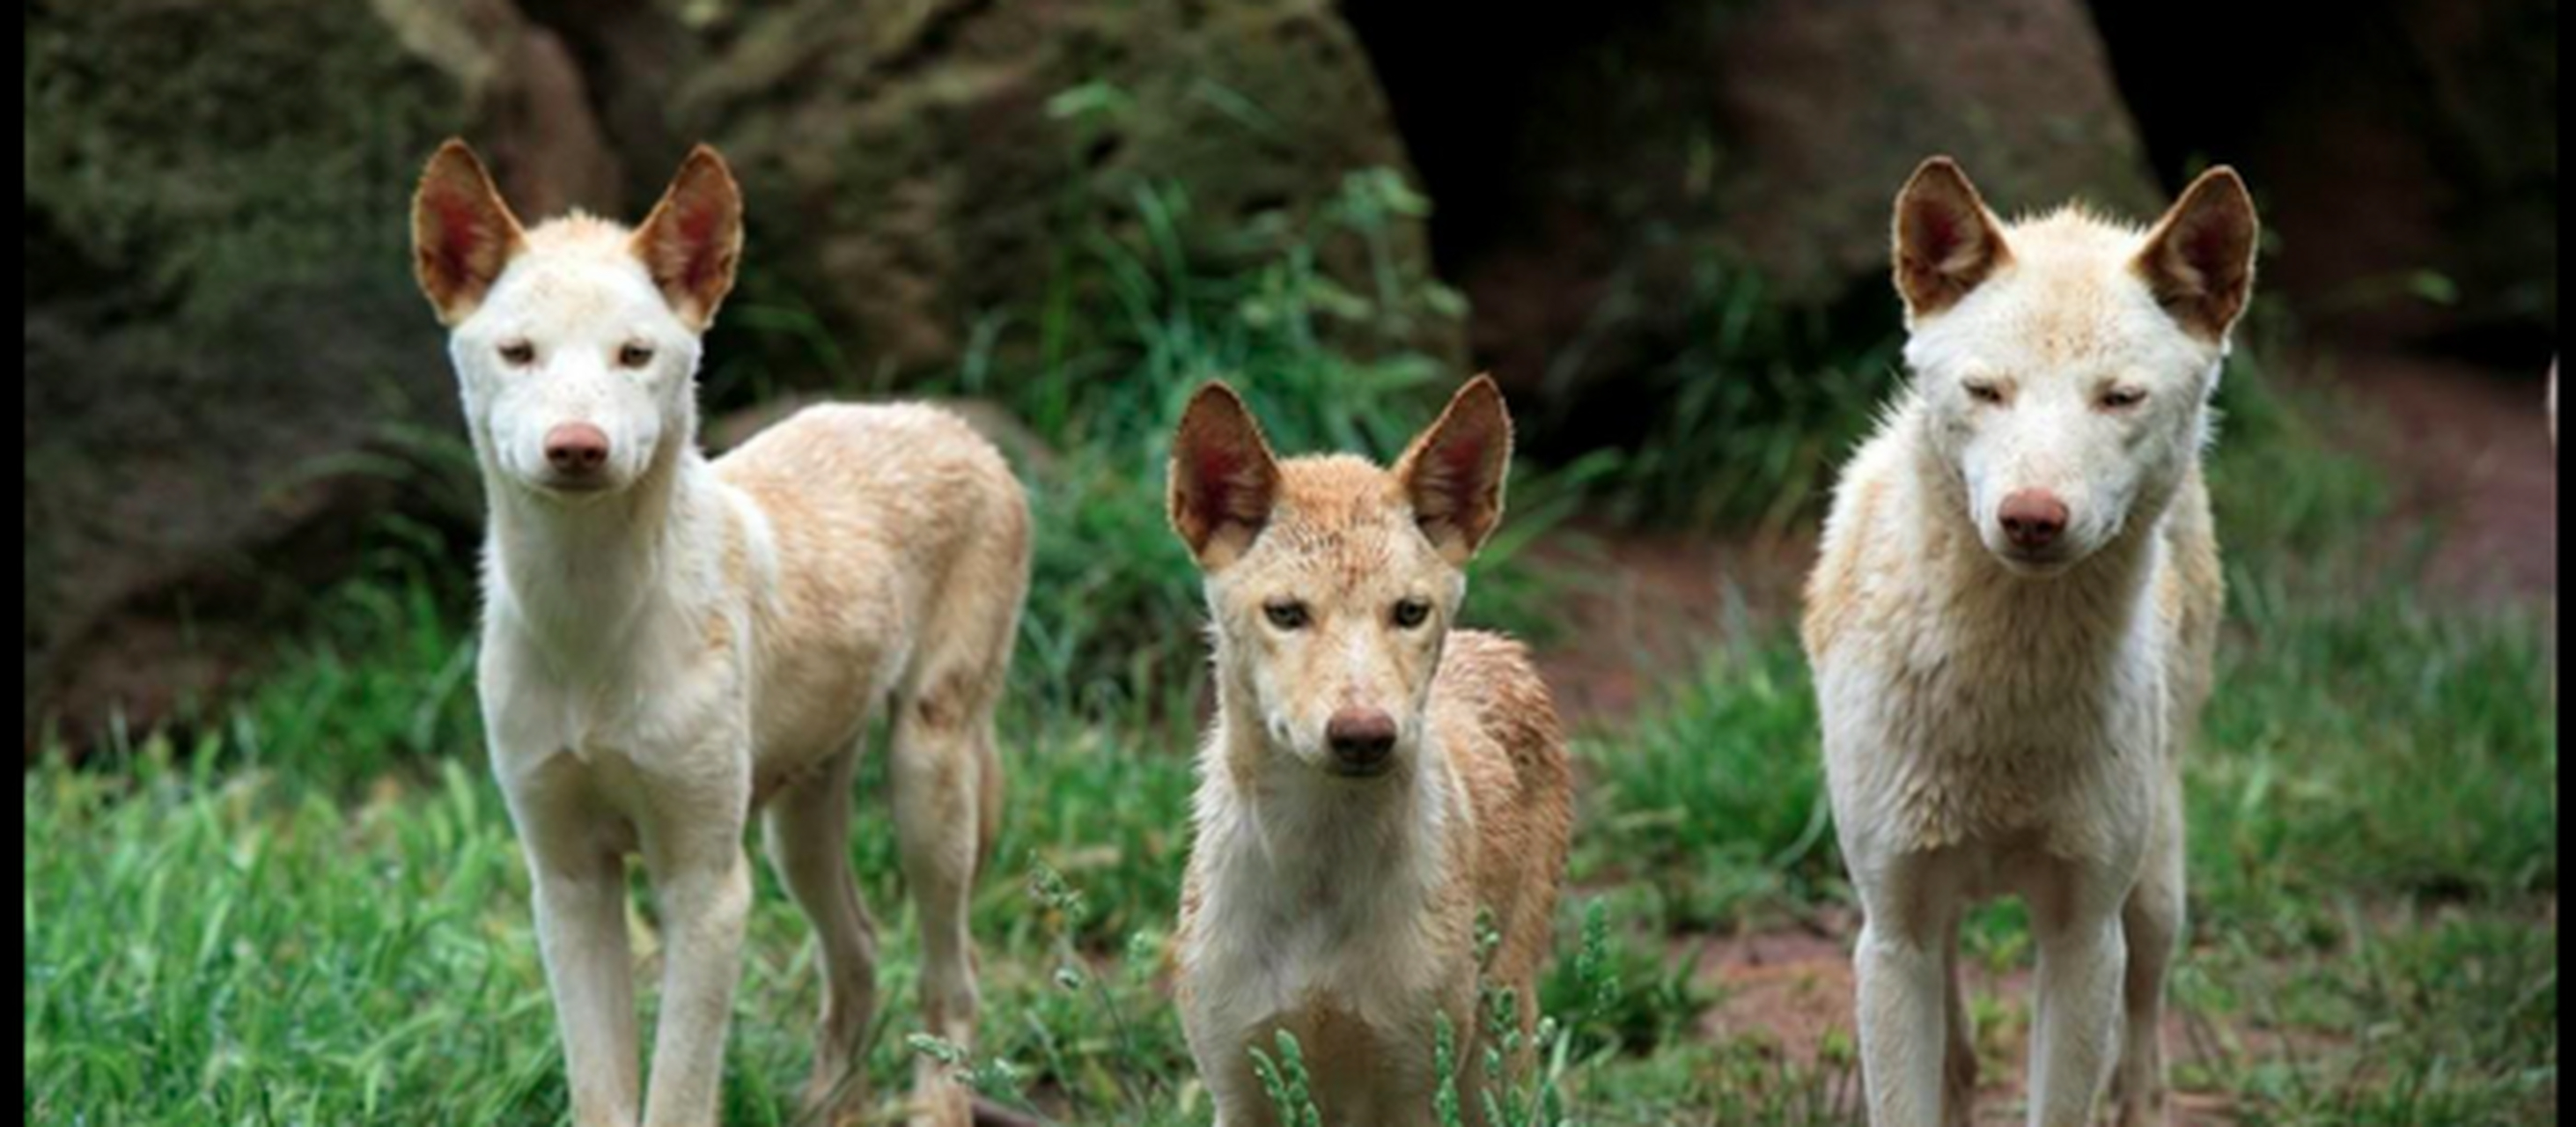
[2154,920]
[946,798]
[938,807]
[947,782]
[807,832]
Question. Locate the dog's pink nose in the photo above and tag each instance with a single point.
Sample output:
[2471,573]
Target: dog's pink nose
[1362,739]
[2034,519]
[576,449]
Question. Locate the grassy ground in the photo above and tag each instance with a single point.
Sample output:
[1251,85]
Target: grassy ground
[310,909]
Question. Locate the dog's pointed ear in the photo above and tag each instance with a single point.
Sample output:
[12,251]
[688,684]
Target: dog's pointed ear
[462,234]
[2199,259]
[1947,243]
[692,241]
[1453,474]
[1224,479]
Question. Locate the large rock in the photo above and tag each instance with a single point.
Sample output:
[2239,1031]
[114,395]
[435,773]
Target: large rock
[225,357]
[914,167]
[1622,153]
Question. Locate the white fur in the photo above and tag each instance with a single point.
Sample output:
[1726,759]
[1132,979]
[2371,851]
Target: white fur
[1994,724]
[1323,899]
[689,642]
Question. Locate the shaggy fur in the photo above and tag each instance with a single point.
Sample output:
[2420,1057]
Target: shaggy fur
[671,645]
[1337,906]
[2005,712]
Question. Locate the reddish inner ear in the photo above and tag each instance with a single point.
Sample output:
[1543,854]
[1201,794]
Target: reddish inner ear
[1219,474]
[2204,247]
[460,233]
[697,248]
[1939,231]
[1459,460]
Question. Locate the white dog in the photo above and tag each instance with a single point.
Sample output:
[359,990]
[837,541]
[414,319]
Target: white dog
[2012,626]
[671,644]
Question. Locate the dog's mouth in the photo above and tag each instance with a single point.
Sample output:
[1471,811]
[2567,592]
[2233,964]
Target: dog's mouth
[2045,564]
[575,488]
[1340,769]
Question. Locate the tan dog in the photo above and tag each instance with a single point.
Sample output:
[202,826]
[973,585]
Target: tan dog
[2012,627]
[671,644]
[1373,779]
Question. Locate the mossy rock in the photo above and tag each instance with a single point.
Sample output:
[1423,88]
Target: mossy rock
[220,325]
[916,167]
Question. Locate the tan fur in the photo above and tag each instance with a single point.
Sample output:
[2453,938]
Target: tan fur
[1343,910]
[672,645]
[1999,721]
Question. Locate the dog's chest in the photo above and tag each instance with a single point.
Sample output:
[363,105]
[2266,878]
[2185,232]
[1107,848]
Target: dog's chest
[1952,741]
[1349,949]
[1362,999]
[652,719]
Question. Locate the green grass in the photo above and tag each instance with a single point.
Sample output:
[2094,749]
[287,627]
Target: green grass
[314,911]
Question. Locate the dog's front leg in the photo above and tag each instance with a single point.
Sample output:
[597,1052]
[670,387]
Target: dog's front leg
[581,931]
[1224,1057]
[702,882]
[1902,1022]
[2083,957]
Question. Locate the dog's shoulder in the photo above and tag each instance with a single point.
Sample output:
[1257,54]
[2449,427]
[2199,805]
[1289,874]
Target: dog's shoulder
[1501,729]
[1870,499]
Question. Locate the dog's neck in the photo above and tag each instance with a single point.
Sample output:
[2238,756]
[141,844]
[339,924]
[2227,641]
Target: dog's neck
[1294,825]
[2061,625]
[577,575]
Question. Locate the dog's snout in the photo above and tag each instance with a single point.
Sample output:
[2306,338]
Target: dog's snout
[576,449]
[1362,739]
[2033,519]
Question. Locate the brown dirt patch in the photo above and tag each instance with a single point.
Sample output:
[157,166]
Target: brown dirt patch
[2467,448]
[1791,990]
[1643,607]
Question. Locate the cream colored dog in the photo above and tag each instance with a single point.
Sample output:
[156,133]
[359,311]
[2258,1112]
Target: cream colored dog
[2012,627]
[671,644]
[1373,779]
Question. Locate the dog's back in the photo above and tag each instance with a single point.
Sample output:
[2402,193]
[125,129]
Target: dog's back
[883,523]
[1502,732]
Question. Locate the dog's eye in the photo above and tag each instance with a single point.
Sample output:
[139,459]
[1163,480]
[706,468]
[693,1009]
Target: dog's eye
[1411,613]
[1286,614]
[2122,398]
[634,356]
[1986,393]
[518,354]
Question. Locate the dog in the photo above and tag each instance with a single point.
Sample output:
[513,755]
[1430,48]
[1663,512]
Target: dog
[1374,780]
[2012,624]
[670,644]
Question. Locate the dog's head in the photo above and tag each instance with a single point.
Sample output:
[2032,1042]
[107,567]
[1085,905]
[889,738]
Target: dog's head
[576,343]
[2065,363]
[1331,582]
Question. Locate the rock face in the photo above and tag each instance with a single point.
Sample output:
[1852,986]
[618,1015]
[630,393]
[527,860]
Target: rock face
[916,166]
[1830,106]
[1649,143]
[223,344]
